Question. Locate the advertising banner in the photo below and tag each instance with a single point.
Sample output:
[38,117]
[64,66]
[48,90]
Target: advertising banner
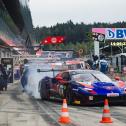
[111,34]
[115,33]
[98,34]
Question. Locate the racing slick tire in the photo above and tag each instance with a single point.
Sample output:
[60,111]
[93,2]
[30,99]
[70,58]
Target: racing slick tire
[43,90]
[69,96]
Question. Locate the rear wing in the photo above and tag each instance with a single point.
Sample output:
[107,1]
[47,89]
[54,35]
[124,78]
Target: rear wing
[49,70]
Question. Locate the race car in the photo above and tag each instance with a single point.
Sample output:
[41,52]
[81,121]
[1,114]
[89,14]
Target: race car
[82,87]
[62,54]
[69,64]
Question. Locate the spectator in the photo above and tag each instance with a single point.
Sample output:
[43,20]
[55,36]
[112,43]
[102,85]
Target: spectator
[95,62]
[103,65]
[3,78]
[95,65]
[10,75]
[89,64]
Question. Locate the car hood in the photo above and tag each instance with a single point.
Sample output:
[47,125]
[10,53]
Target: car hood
[106,87]
[100,88]
[103,84]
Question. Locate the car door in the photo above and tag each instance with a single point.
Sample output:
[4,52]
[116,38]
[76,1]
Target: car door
[54,85]
[63,83]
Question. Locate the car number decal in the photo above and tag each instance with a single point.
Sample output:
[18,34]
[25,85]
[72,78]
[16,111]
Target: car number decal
[112,94]
[61,89]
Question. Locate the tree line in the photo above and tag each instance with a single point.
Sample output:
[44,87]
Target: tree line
[77,35]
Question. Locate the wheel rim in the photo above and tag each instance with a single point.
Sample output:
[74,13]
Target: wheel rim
[69,98]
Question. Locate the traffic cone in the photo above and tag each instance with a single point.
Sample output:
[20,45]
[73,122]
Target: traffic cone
[106,113]
[64,115]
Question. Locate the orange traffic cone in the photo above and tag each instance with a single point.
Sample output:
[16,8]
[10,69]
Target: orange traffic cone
[106,113]
[65,115]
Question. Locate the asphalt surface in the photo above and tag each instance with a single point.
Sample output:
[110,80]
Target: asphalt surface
[19,109]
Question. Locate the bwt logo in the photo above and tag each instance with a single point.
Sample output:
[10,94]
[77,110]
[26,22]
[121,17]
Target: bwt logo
[115,33]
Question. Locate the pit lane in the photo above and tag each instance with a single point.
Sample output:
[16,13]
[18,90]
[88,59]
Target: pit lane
[17,108]
[117,112]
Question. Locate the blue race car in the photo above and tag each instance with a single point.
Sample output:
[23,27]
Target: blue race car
[82,87]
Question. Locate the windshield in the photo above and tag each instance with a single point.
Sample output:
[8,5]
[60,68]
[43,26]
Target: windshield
[91,77]
[102,77]
[85,77]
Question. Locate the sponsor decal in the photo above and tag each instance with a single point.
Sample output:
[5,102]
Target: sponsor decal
[86,84]
[108,87]
[112,94]
[91,98]
[115,33]
[98,37]
[61,90]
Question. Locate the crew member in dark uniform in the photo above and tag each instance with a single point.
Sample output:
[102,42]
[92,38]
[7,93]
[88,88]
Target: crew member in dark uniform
[3,78]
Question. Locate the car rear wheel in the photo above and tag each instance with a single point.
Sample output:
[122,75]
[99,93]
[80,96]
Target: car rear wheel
[43,91]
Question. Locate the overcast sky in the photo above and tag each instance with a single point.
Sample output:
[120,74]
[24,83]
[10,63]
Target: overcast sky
[50,12]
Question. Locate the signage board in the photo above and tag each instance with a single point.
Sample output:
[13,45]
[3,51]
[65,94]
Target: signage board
[98,37]
[112,34]
[118,43]
[96,48]
[115,33]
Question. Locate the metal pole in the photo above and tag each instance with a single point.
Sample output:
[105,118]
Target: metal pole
[122,48]
[96,48]
[111,51]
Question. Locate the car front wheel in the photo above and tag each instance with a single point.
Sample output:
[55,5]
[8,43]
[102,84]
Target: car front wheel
[69,96]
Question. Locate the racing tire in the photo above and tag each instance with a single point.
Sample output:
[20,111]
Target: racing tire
[124,103]
[69,96]
[43,91]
